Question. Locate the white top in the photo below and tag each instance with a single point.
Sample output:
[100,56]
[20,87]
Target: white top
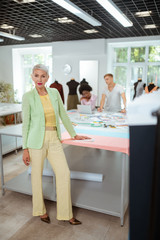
[140,110]
[113,98]
[92,101]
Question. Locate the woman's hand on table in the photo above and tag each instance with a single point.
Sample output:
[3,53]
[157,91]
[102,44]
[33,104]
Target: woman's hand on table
[123,110]
[99,109]
[79,137]
[26,157]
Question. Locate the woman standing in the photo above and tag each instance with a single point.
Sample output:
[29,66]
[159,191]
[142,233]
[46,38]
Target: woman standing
[41,109]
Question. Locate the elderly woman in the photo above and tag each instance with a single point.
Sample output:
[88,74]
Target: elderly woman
[41,108]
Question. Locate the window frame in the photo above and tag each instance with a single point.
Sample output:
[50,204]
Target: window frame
[129,64]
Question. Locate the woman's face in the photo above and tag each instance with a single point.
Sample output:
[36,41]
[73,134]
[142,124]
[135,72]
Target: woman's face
[39,77]
[86,94]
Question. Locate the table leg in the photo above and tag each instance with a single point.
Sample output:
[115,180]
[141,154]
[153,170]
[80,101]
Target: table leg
[122,188]
[1,166]
[15,137]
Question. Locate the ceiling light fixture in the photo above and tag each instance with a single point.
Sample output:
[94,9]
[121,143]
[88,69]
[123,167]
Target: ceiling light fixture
[143,14]
[6,26]
[90,31]
[150,26]
[12,36]
[24,1]
[35,35]
[71,7]
[1,40]
[115,12]
[64,20]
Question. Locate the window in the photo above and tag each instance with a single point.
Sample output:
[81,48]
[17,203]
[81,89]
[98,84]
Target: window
[134,61]
[137,54]
[154,54]
[28,61]
[23,62]
[153,75]
[27,79]
[120,55]
[120,75]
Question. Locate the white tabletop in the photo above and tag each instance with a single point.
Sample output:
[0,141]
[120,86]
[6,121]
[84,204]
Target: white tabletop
[9,108]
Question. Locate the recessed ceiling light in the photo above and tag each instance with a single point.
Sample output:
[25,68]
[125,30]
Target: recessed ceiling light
[35,35]
[150,26]
[143,14]
[64,20]
[24,1]
[6,26]
[90,31]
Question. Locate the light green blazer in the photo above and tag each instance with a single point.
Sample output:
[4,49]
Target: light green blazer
[33,126]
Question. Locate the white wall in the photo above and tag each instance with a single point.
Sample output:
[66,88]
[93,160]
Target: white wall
[6,73]
[70,52]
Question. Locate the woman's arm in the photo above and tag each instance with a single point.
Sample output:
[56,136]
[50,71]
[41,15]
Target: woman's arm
[25,128]
[26,112]
[124,102]
[102,103]
[67,122]
[64,117]
[93,101]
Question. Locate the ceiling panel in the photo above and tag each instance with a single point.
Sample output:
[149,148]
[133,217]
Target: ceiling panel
[38,18]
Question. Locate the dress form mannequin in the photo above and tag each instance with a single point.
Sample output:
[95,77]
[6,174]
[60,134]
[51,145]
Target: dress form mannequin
[138,88]
[72,100]
[59,87]
[83,81]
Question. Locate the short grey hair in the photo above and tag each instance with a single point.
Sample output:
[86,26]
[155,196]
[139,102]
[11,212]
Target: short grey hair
[41,67]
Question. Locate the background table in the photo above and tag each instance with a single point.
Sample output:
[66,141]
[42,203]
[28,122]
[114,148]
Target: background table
[9,109]
[10,143]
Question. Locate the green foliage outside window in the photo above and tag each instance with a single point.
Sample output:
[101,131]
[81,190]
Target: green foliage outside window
[138,54]
[27,59]
[28,79]
[154,54]
[120,55]
[39,59]
[120,75]
[7,93]
[153,75]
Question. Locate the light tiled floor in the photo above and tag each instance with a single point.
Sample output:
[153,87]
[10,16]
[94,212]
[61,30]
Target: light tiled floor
[17,223]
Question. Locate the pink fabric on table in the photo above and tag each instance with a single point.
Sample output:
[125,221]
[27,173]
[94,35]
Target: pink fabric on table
[101,142]
[92,101]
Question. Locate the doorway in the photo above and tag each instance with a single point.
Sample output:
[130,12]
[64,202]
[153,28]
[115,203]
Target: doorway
[88,69]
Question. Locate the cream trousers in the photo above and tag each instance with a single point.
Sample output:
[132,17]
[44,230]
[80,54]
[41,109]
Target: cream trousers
[53,151]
